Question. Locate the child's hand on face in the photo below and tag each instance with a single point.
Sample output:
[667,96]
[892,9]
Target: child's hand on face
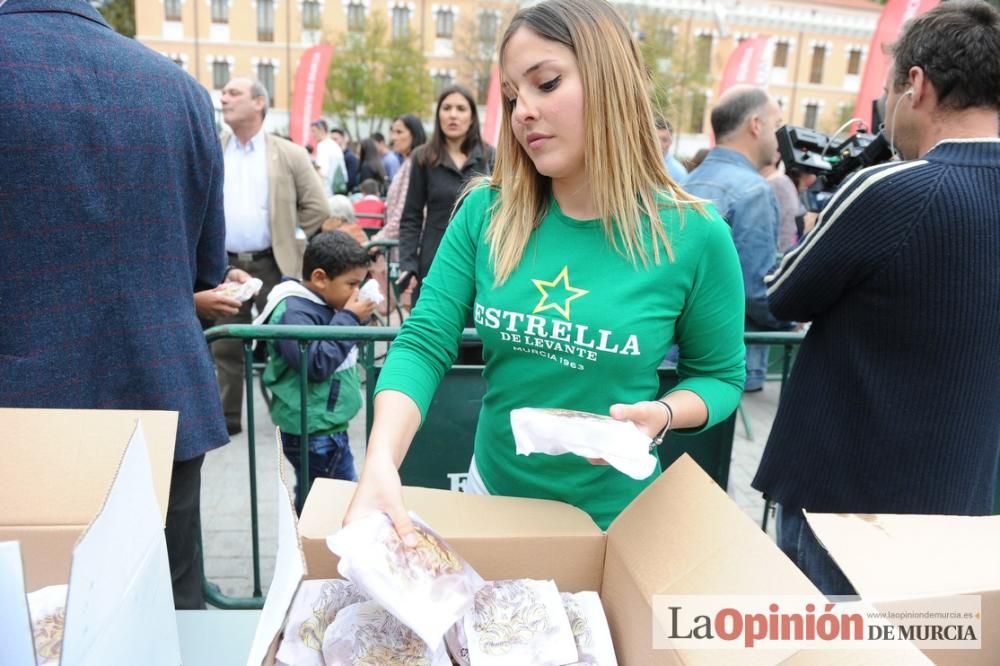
[363,309]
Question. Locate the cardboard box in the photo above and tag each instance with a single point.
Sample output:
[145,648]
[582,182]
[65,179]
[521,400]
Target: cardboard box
[682,535]
[84,497]
[901,562]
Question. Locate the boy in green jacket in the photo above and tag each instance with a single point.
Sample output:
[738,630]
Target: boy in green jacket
[334,266]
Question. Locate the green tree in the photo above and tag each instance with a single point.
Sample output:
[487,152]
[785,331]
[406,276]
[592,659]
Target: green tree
[120,15]
[404,86]
[373,78]
[678,87]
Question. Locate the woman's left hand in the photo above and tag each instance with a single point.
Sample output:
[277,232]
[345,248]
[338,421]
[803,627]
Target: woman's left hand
[647,416]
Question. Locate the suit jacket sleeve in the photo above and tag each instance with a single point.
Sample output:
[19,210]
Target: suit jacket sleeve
[311,202]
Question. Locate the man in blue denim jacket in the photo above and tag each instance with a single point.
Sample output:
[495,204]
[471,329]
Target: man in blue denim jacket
[745,121]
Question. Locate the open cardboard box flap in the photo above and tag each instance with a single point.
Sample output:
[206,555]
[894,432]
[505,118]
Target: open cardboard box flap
[891,558]
[682,535]
[66,458]
[119,605]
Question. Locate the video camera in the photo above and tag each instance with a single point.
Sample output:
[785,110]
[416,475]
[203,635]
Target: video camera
[804,149]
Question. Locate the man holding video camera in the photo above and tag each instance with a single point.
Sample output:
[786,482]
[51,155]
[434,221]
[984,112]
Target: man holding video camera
[893,405]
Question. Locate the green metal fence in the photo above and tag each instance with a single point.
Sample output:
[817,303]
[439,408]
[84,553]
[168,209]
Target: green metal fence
[452,418]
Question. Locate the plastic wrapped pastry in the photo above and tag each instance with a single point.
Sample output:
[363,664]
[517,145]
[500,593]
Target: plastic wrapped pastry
[428,587]
[366,634]
[370,291]
[519,622]
[315,606]
[458,646]
[557,431]
[590,628]
[47,609]
[241,291]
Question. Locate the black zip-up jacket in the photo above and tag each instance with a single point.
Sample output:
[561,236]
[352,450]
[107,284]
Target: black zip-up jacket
[436,188]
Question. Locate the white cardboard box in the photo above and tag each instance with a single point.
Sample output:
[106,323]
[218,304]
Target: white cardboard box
[81,504]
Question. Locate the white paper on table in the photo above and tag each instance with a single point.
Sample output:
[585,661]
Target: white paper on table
[590,628]
[241,291]
[370,291]
[366,633]
[428,587]
[558,431]
[519,622]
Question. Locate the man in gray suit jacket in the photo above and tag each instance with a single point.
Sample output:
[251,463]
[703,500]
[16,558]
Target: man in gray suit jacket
[271,191]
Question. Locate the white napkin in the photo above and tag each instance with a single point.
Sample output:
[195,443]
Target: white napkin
[370,291]
[556,431]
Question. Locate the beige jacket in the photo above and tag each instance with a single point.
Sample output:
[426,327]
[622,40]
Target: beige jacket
[295,198]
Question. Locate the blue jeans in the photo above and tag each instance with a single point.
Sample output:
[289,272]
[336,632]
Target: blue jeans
[756,367]
[798,542]
[330,457]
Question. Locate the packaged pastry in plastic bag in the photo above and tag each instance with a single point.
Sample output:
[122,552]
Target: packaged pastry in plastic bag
[315,606]
[519,622]
[47,609]
[366,634]
[458,646]
[590,628]
[241,291]
[557,431]
[428,587]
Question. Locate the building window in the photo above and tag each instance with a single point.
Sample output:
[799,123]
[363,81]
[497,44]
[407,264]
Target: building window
[265,20]
[699,101]
[400,22]
[780,55]
[311,15]
[442,80]
[355,17]
[220,74]
[265,74]
[444,21]
[818,60]
[489,23]
[171,10]
[220,11]
[703,54]
[812,115]
[854,61]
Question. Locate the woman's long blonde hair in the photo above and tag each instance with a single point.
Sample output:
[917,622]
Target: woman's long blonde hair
[621,157]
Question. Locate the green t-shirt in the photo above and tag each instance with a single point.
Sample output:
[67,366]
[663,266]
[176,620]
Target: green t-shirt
[575,326]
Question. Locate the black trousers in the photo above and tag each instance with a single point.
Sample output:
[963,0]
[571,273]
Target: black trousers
[183,534]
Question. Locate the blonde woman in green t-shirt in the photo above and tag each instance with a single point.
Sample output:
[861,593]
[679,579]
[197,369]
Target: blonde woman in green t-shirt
[581,263]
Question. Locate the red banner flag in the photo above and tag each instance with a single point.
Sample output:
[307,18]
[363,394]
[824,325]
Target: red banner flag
[310,88]
[894,15]
[494,109]
[746,65]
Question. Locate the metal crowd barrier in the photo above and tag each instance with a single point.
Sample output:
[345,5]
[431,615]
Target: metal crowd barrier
[366,337]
